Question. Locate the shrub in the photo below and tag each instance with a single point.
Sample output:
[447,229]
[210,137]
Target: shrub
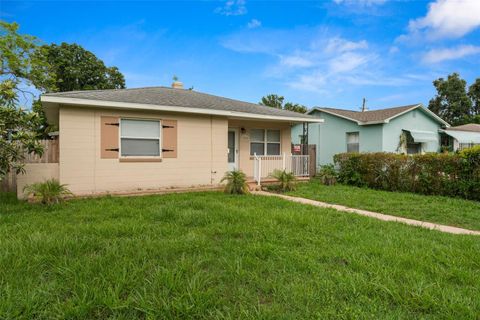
[441,174]
[48,192]
[287,180]
[236,182]
[327,174]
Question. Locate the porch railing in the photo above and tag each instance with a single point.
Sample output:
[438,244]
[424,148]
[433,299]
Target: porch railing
[263,166]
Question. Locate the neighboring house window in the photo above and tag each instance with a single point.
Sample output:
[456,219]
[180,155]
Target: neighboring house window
[140,138]
[264,142]
[414,148]
[466,145]
[353,142]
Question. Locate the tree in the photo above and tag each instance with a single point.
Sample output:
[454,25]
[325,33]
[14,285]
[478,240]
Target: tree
[474,95]
[21,67]
[295,107]
[272,100]
[276,101]
[451,102]
[78,69]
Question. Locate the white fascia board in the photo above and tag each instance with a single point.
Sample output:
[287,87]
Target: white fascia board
[419,106]
[337,115]
[154,107]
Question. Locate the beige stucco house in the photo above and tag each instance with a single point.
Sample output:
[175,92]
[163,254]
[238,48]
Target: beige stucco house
[160,137]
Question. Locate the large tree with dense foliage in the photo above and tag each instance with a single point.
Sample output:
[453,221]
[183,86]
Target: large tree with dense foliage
[276,101]
[474,94]
[78,69]
[22,68]
[454,103]
[451,102]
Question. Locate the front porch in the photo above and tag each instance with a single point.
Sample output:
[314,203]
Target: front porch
[264,166]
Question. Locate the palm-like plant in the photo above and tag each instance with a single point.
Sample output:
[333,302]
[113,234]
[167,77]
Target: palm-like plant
[287,180]
[236,182]
[48,192]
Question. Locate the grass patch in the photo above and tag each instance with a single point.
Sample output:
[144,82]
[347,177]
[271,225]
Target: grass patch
[210,255]
[438,209]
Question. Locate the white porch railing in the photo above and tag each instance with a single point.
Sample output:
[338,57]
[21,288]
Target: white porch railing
[263,166]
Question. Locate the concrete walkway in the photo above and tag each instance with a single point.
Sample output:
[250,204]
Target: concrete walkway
[376,215]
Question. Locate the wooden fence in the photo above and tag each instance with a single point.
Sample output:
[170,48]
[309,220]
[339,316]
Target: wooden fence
[50,155]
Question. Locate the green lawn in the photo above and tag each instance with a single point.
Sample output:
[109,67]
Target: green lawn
[443,210]
[210,255]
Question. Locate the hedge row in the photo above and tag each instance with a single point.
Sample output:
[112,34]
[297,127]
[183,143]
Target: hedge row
[455,175]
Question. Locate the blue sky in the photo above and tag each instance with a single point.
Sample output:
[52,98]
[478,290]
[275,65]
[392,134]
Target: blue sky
[317,53]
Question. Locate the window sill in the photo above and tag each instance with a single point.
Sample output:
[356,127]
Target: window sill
[140,159]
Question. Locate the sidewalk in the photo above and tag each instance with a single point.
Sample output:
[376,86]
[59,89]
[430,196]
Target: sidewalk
[376,215]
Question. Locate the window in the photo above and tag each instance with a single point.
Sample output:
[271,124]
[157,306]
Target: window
[466,145]
[140,138]
[414,148]
[264,142]
[353,144]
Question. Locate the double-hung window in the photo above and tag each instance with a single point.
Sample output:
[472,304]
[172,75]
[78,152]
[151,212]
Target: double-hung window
[264,142]
[353,142]
[140,138]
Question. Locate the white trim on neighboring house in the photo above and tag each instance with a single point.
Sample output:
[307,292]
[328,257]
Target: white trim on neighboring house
[335,114]
[360,123]
[139,106]
[424,110]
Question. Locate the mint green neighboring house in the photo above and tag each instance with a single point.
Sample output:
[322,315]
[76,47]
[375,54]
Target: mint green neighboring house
[407,129]
[461,137]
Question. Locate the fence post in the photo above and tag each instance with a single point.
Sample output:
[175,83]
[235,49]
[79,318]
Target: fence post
[259,171]
[283,161]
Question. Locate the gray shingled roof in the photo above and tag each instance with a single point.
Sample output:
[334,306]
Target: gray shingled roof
[369,116]
[473,127]
[165,96]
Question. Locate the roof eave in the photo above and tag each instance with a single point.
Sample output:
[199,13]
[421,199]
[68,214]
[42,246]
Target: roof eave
[153,107]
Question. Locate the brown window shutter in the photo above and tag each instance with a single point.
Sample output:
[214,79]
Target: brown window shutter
[169,138]
[109,129]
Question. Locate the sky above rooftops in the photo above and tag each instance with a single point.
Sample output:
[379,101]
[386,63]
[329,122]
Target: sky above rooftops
[317,53]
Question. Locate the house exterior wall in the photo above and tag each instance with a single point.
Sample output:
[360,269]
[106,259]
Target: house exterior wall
[246,162]
[331,136]
[201,159]
[413,120]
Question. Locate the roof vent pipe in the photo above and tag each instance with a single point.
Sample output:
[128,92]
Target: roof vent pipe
[364,105]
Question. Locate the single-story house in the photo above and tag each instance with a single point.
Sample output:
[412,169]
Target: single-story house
[161,137]
[406,129]
[461,137]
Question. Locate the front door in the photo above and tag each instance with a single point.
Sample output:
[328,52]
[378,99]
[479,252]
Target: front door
[232,149]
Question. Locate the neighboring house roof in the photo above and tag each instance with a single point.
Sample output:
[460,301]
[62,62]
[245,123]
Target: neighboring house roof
[472,127]
[467,133]
[176,100]
[377,116]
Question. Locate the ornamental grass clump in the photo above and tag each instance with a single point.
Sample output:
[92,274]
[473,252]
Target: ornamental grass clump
[47,192]
[287,180]
[236,182]
[327,175]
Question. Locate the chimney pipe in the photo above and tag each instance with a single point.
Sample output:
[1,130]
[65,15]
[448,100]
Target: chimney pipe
[177,85]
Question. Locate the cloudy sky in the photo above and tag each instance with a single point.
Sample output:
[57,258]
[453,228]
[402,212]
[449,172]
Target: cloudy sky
[317,53]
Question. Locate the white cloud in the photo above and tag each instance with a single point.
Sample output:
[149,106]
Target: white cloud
[347,61]
[296,60]
[341,45]
[232,8]
[360,2]
[439,55]
[448,19]
[254,23]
